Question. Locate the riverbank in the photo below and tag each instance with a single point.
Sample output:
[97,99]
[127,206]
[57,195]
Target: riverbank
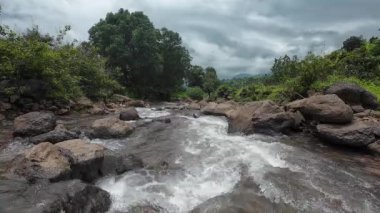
[176,157]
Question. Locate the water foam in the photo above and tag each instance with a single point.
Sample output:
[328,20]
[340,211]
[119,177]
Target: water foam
[210,163]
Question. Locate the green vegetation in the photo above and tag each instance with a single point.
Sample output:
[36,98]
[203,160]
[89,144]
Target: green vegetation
[125,54]
[357,62]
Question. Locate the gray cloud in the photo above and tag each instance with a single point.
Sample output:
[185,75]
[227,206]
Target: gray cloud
[234,36]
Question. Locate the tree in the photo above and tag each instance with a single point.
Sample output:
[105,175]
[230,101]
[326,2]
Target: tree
[175,63]
[352,43]
[211,81]
[151,62]
[195,76]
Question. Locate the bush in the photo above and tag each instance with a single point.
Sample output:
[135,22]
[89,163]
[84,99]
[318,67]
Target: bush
[225,91]
[195,93]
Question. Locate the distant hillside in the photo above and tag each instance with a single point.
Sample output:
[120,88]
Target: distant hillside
[242,75]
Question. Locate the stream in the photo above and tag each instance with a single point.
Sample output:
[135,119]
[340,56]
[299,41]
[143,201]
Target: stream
[192,160]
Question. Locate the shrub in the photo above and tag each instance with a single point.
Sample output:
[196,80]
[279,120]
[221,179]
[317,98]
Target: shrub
[195,93]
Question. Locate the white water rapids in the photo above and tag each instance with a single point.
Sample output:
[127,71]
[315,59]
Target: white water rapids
[209,164]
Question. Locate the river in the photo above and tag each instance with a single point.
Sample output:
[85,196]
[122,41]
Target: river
[192,160]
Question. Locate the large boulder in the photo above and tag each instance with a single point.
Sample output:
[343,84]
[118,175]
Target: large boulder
[354,95]
[264,117]
[66,196]
[111,128]
[129,114]
[218,109]
[87,158]
[55,136]
[359,133]
[323,108]
[115,163]
[34,123]
[43,161]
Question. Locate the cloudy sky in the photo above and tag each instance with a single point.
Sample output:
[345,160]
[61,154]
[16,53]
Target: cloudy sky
[234,36]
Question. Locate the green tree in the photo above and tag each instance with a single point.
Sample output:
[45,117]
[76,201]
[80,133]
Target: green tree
[195,76]
[211,81]
[352,43]
[151,62]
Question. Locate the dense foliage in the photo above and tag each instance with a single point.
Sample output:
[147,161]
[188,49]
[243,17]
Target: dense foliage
[125,54]
[32,62]
[152,62]
[358,61]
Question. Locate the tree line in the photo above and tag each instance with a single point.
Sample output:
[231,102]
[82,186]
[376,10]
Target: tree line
[357,61]
[125,54]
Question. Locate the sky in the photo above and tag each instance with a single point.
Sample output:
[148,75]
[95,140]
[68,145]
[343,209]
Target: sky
[234,36]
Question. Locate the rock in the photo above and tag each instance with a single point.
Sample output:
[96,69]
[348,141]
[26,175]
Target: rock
[149,208]
[136,103]
[220,109]
[323,108]
[55,136]
[241,202]
[87,159]
[34,123]
[359,133]
[62,112]
[66,196]
[264,117]
[357,108]
[116,98]
[195,115]
[5,106]
[129,114]
[194,106]
[118,163]
[43,161]
[163,120]
[2,117]
[354,95]
[97,111]
[83,103]
[111,128]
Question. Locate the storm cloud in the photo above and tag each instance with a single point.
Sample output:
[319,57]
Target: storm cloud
[234,36]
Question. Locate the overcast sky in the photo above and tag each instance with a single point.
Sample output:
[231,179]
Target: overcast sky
[234,36]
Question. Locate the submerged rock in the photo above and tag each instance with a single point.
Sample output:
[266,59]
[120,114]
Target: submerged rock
[241,202]
[354,95]
[111,128]
[359,133]
[323,108]
[34,123]
[129,114]
[55,136]
[67,196]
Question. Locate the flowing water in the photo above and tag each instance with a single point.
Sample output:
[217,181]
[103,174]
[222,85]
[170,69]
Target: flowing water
[192,160]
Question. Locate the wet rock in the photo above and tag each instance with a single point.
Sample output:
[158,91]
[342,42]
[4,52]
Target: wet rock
[146,209]
[218,109]
[163,120]
[264,117]
[323,108]
[87,159]
[241,202]
[2,117]
[116,98]
[357,109]
[83,103]
[194,106]
[111,128]
[62,112]
[195,115]
[118,163]
[55,136]
[96,110]
[359,133]
[67,196]
[136,103]
[5,106]
[34,123]
[354,95]
[129,114]
[43,161]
